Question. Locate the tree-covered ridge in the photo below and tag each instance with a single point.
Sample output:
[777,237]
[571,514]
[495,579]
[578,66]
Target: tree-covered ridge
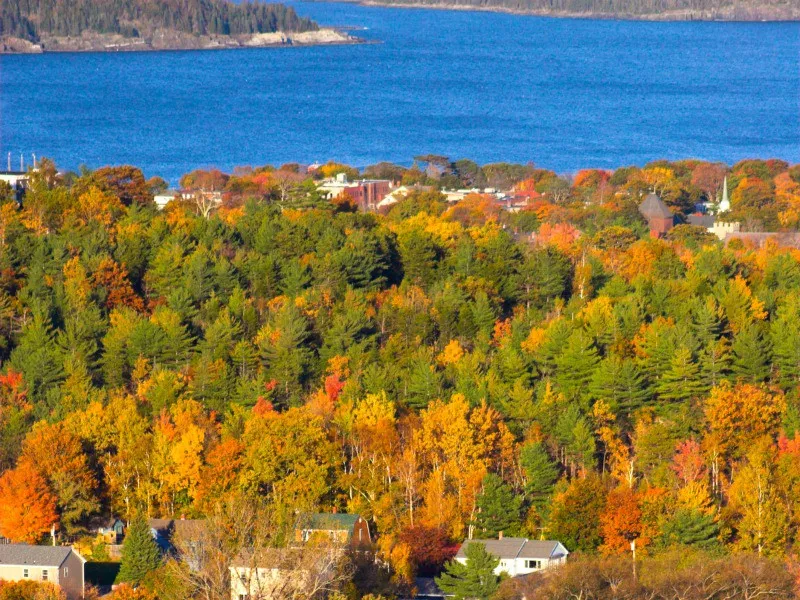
[655,9]
[445,371]
[29,19]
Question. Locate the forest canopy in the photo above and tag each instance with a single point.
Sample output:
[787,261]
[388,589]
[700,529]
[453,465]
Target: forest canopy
[30,19]
[445,370]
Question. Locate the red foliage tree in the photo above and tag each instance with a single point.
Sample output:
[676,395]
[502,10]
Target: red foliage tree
[430,547]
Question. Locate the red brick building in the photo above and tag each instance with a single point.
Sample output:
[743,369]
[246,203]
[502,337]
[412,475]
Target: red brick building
[368,193]
[659,218]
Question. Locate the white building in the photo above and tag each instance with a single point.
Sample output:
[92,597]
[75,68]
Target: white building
[519,556]
[721,229]
[60,565]
[453,196]
[15,178]
[163,198]
[335,186]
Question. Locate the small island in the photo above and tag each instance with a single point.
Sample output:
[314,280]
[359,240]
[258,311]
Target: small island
[138,25]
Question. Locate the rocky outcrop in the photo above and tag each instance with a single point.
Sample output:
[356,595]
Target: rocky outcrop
[13,45]
[162,39]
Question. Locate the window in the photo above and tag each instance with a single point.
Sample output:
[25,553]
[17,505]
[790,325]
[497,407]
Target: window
[25,573]
[244,597]
[44,574]
[66,571]
[360,534]
[533,564]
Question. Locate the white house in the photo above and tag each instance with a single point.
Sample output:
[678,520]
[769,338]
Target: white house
[163,198]
[60,565]
[519,556]
[401,193]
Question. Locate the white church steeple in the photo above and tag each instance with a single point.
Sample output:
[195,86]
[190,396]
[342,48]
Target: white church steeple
[724,204]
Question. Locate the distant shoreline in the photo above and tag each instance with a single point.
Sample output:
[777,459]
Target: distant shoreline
[167,40]
[671,16]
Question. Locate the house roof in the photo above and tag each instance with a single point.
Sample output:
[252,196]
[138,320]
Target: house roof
[511,547]
[701,220]
[654,208]
[279,558]
[23,554]
[167,529]
[328,521]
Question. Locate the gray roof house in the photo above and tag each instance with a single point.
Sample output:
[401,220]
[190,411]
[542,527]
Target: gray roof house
[60,565]
[519,556]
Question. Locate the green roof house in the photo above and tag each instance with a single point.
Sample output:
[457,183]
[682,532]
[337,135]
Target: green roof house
[338,527]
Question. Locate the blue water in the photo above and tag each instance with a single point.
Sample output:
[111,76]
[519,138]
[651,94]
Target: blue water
[564,94]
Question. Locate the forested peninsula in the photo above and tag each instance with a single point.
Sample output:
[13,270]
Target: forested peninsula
[654,10]
[116,25]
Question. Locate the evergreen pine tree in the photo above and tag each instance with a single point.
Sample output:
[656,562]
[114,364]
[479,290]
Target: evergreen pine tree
[620,383]
[785,337]
[751,355]
[285,351]
[682,380]
[706,320]
[518,402]
[36,356]
[498,508]
[715,363]
[423,382]
[475,580]
[483,314]
[540,473]
[576,366]
[140,553]
[691,528]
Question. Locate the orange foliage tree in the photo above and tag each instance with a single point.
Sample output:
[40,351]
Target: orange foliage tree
[27,508]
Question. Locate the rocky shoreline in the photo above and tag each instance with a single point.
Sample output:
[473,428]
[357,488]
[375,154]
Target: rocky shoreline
[755,13]
[175,40]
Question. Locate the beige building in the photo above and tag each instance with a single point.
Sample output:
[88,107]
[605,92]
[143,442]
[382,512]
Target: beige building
[60,565]
[276,573]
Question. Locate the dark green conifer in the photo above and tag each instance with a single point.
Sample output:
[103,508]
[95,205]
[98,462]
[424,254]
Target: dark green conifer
[140,553]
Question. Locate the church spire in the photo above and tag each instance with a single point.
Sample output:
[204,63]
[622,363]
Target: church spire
[724,204]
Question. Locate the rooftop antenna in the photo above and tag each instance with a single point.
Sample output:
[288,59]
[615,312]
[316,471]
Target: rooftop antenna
[9,161]
[21,162]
